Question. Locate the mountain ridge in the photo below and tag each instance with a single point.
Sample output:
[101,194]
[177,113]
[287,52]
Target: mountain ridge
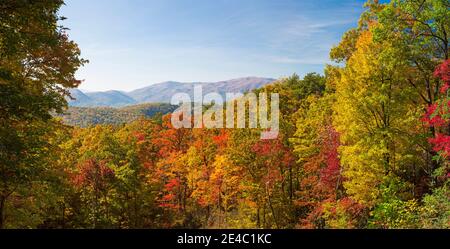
[161,92]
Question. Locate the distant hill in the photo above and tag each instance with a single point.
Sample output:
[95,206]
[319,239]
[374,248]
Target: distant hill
[109,98]
[78,98]
[162,92]
[87,116]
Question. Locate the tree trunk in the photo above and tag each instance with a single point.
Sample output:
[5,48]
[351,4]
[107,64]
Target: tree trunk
[2,211]
[291,185]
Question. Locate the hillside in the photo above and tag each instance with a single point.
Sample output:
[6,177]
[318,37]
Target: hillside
[87,116]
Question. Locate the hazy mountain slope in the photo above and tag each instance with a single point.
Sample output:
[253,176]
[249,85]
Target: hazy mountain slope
[96,99]
[79,98]
[237,85]
[162,92]
[110,98]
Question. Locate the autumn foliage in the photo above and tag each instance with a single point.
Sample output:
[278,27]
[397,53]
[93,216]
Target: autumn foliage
[366,145]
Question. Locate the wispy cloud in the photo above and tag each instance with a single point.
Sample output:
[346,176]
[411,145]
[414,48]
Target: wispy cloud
[306,27]
[133,43]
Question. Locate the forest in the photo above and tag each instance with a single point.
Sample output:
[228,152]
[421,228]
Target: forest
[88,116]
[366,144]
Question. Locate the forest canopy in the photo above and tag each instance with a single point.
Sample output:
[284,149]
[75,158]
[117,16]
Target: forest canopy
[365,145]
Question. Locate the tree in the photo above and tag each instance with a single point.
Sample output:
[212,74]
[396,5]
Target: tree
[37,64]
[420,29]
[437,115]
[373,116]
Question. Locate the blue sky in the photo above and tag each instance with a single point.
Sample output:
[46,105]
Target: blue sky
[135,43]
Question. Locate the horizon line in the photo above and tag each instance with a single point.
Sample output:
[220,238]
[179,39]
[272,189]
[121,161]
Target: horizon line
[174,81]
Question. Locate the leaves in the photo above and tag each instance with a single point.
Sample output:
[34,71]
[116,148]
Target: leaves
[366,145]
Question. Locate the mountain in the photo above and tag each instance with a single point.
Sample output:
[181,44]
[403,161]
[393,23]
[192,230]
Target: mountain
[163,92]
[110,98]
[78,98]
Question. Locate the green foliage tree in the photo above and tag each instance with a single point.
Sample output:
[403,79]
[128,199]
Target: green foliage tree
[37,65]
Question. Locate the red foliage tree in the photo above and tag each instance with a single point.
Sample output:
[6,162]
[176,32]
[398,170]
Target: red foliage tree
[438,114]
[93,173]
